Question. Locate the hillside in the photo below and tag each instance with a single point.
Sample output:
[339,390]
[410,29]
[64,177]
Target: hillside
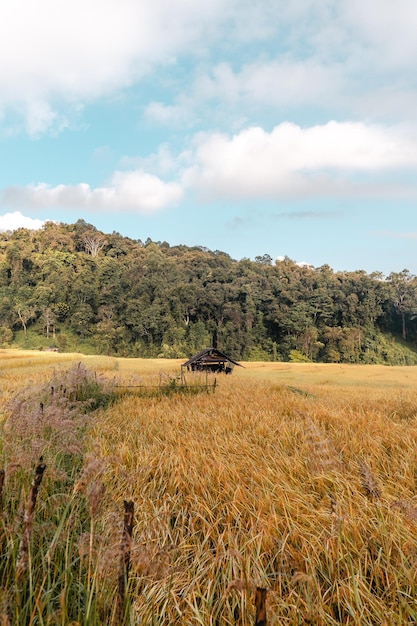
[76,288]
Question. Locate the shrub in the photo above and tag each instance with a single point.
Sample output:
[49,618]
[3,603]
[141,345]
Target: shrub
[295,356]
[6,336]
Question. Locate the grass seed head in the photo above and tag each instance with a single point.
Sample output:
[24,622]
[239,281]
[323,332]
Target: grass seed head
[369,481]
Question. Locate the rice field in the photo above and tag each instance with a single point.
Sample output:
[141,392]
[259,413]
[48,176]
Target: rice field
[292,483]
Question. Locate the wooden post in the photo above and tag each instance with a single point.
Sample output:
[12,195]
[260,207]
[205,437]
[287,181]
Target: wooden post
[260,606]
[2,477]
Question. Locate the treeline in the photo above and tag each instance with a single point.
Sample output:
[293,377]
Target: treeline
[76,288]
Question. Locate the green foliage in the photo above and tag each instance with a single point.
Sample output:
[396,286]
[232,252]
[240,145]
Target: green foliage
[390,350]
[295,356]
[6,336]
[258,354]
[127,298]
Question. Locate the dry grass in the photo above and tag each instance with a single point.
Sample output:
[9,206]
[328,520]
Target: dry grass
[298,478]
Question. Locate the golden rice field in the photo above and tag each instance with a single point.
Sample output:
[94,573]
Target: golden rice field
[299,479]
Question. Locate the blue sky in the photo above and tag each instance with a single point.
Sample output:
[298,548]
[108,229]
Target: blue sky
[280,127]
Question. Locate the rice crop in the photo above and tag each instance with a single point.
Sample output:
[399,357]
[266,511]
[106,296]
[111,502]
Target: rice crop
[288,496]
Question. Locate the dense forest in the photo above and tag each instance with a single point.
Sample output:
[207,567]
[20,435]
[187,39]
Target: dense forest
[76,288]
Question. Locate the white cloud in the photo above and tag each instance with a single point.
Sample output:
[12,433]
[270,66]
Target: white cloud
[395,235]
[12,221]
[166,115]
[160,163]
[136,192]
[74,51]
[292,161]
[40,118]
[351,57]
[281,82]
[386,30]
[330,160]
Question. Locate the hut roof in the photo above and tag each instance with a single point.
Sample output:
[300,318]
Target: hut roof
[210,356]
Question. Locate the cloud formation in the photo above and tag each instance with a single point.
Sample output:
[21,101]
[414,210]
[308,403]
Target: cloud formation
[280,82]
[306,215]
[135,192]
[15,220]
[74,52]
[69,53]
[396,235]
[345,56]
[291,161]
[329,160]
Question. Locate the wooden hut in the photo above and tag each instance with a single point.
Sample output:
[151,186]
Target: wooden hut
[210,360]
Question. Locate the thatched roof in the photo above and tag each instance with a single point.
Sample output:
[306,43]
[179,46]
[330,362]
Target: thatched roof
[210,356]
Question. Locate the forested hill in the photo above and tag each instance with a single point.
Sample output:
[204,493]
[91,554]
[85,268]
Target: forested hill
[79,289]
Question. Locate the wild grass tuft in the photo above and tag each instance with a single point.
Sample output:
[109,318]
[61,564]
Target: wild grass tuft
[49,505]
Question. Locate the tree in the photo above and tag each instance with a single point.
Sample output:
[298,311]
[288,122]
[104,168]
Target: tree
[403,294]
[48,319]
[149,299]
[82,319]
[308,342]
[265,259]
[25,314]
[93,242]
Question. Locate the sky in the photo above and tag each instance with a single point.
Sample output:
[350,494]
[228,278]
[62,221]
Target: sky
[279,127]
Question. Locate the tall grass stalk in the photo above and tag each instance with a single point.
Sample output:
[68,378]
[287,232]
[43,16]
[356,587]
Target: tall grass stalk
[23,553]
[124,567]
